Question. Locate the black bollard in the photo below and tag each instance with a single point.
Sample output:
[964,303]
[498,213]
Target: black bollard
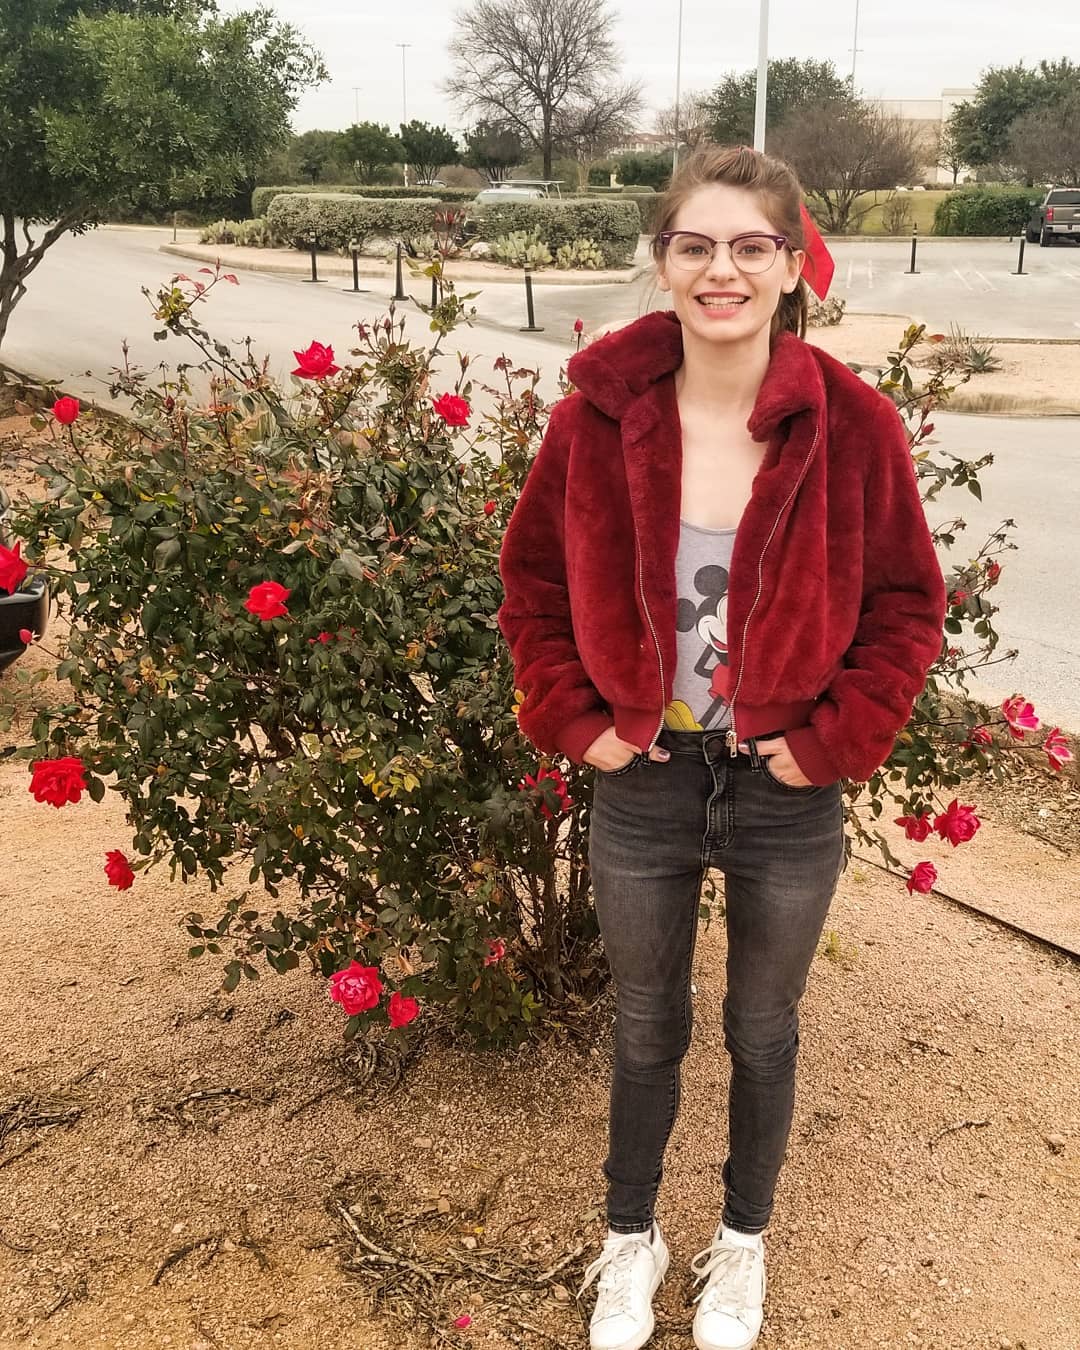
[355,288]
[1020,261]
[913,270]
[399,289]
[314,263]
[530,327]
[434,291]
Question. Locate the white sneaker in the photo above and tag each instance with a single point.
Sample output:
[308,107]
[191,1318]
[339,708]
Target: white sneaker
[631,1268]
[730,1311]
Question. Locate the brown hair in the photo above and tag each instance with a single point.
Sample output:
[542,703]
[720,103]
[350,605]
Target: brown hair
[780,191]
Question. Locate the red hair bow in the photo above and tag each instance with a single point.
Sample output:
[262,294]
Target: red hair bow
[820,268]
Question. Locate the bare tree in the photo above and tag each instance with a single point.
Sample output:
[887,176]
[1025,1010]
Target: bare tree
[588,131]
[1045,144]
[690,121]
[843,148]
[522,63]
[948,149]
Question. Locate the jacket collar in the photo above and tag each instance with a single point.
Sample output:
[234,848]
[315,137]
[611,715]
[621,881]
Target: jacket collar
[622,369]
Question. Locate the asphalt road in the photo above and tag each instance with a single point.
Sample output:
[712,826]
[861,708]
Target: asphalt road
[85,299]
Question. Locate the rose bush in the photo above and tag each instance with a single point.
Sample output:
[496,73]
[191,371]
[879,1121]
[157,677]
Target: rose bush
[284,657]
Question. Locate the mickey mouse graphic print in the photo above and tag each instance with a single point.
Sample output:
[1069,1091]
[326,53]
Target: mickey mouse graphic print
[699,696]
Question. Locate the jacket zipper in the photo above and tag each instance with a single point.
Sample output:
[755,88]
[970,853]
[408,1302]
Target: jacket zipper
[656,644]
[733,735]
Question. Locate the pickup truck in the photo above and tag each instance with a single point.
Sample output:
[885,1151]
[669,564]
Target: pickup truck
[1056,215]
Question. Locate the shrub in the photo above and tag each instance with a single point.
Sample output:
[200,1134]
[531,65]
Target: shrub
[521,248]
[825,313]
[613,224]
[896,216]
[964,351]
[983,211]
[249,233]
[337,219]
[263,196]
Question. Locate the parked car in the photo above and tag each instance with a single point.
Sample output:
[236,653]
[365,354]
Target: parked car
[1058,214]
[513,190]
[28,608]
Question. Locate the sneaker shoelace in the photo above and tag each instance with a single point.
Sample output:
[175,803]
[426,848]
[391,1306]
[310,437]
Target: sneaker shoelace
[727,1269]
[614,1266]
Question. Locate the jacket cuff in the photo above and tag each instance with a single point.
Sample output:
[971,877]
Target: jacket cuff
[809,754]
[575,737]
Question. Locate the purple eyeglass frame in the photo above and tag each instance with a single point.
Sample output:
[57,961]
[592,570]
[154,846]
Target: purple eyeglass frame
[780,240]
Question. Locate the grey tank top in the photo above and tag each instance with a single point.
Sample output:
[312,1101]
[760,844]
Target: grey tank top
[699,695]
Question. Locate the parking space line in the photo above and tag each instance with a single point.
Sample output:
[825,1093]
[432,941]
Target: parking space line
[870,273]
[963,278]
[988,284]
[850,269]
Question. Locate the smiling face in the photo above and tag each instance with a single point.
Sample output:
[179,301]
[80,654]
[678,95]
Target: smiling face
[720,303]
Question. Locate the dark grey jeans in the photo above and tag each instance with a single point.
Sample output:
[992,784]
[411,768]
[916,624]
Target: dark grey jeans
[656,828]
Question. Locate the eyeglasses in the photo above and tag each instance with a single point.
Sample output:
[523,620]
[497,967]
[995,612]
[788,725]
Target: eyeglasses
[691,252]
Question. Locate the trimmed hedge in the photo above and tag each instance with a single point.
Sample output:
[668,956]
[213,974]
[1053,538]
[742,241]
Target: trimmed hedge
[613,225]
[263,196]
[984,211]
[338,217]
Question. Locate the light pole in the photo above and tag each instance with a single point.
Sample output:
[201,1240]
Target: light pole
[678,91]
[356,95]
[762,76]
[855,48]
[404,112]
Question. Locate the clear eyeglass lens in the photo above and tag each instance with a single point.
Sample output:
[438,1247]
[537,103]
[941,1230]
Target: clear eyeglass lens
[752,253]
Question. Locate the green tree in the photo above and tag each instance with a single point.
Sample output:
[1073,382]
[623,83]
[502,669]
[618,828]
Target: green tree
[1005,93]
[1044,143]
[110,104]
[316,151]
[729,110]
[427,148]
[493,149]
[371,148]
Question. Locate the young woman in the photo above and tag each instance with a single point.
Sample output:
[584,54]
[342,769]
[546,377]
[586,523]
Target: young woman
[721,592]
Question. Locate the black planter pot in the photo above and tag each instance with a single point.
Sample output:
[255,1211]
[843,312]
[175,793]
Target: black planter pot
[27,608]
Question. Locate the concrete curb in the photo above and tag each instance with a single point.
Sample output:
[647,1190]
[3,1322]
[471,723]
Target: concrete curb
[333,266]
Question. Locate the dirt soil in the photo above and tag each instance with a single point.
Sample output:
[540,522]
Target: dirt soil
[192,1169]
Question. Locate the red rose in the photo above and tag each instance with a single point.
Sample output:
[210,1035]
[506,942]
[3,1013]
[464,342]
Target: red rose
[923,876]
[12,568]
[982,736]
[496,951]
[579,325]
[357,988]
[489,508]
[57,781]
[267,600]
[555,777]
[454,411]
[993,572]
[957,823]
[118,870]
[26,636]
[401,1009]
[316,363]
[66,410]
[957,597]
[915,827]
[1057,749]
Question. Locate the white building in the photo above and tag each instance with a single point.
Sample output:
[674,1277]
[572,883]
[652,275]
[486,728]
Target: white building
[928,115]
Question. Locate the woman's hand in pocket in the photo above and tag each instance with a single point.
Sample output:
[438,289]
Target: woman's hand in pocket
[782,764]
[609,753]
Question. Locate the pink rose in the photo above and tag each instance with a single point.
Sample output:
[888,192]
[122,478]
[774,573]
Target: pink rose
[915,827]
[12,568]
[923,876]
[267,600]
[982,736]
[453,410]
[118,870]
[957,823]
[1020,716]
[401,1009]
[65,410]
[496,951]
[357,988]
[1057,749]
[316,363]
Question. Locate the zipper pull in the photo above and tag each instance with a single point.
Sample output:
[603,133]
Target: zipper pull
[732,743]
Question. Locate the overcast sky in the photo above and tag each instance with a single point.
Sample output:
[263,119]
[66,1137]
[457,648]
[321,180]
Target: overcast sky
[909,50]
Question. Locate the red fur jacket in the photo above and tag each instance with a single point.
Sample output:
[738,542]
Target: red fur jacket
[836,600]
